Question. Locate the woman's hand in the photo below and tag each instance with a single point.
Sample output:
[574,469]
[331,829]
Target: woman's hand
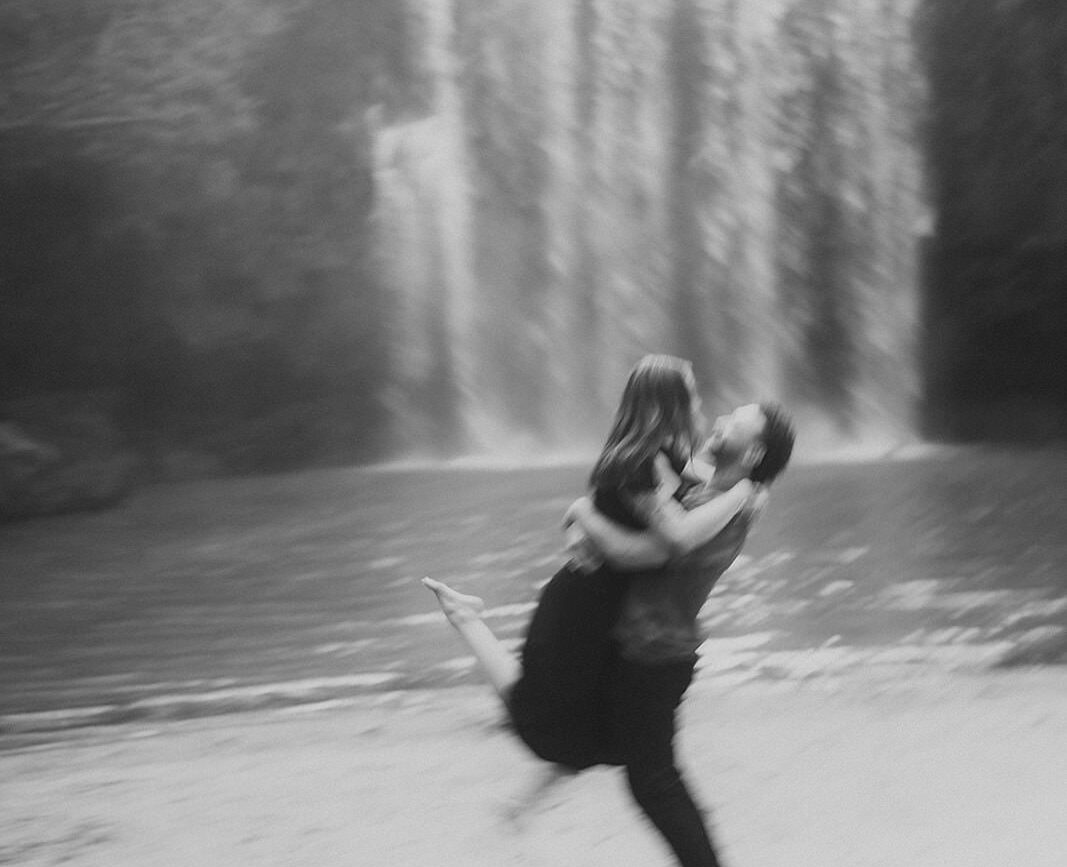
[756,503]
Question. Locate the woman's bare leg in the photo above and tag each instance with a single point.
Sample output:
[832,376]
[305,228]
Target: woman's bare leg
[502,670]
[464,613]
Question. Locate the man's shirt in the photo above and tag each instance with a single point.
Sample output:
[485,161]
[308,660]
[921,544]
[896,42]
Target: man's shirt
[659,615]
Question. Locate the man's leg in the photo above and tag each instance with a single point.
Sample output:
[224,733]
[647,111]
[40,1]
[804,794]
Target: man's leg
[644,699]
[499,664]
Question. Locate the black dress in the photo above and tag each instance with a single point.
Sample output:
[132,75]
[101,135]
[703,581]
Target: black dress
[558,705]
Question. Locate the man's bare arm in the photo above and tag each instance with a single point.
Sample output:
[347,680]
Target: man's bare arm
[624,549]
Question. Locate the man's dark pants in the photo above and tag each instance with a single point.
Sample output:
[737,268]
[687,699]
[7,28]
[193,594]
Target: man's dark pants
[643,701]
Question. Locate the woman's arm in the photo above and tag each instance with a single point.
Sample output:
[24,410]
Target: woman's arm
[672,530]
[682,530]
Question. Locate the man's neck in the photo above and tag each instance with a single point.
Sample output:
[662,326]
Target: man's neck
[725,477]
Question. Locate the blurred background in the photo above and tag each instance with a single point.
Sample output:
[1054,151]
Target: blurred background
[242,236]
[254,251]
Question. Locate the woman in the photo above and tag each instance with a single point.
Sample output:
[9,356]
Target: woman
[555,695]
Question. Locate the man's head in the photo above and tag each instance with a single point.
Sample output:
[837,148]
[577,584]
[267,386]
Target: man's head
[755,440]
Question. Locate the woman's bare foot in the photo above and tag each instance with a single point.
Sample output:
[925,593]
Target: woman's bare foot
[458,607]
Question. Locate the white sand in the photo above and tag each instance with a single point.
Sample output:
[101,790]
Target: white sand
[952,771]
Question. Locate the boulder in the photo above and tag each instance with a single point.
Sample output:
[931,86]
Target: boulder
[62,452]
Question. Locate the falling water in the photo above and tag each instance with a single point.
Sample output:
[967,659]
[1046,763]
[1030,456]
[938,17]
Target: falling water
[584,181]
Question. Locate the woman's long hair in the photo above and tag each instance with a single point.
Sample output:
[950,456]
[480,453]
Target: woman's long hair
[655,414]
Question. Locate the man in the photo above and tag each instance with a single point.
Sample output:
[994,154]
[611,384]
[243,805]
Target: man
[657,633]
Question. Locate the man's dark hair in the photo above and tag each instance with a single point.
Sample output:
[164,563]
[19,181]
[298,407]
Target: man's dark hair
[778,437]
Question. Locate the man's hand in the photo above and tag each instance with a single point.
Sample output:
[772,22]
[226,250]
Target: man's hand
[593,539]
[583,554]
[576,512]
[667,480]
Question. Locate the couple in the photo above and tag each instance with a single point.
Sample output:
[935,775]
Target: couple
[612,645]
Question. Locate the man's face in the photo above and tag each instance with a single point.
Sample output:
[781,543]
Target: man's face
[733,435]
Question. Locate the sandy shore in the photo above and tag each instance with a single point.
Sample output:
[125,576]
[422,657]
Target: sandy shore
[952,771]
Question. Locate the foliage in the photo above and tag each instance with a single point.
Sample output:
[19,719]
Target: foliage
[998,128]
[211,161]
[997,137]
[167,71]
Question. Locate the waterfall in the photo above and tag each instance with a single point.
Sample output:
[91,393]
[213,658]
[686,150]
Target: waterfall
[584,181]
